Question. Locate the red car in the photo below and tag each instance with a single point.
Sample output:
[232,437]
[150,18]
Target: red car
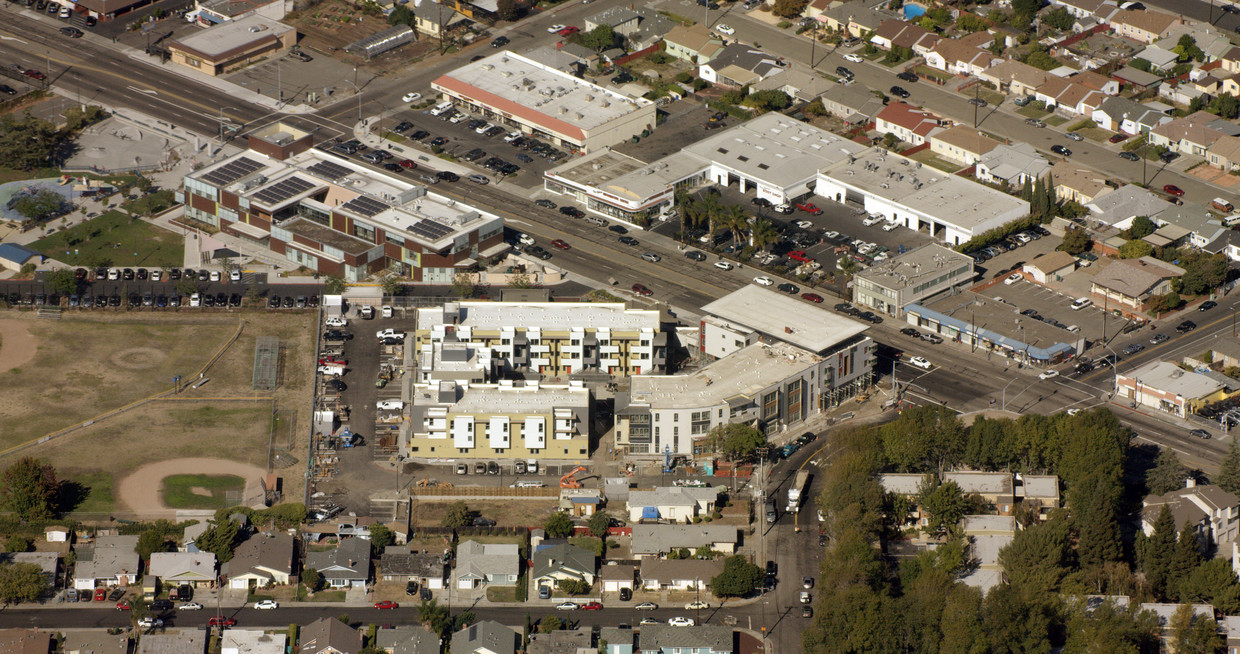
[809,207]
[1172,189]
[799,255]
[812,297]
[30,72]
[386,604]
[101,594]
[219,621]
[333,361]
[560,243]
[592,606]
[568,31]
[1118,137]
[407,163]
[641,290]
[122,605]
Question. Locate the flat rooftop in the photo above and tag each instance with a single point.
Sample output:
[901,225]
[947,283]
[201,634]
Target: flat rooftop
[1002,324]
[597,168]
[538,92]
[949,198]
[224,38]
[776,149]
[1170,378]
[493,398]
[544,315]
[916,267]
[785,318]
[744,373]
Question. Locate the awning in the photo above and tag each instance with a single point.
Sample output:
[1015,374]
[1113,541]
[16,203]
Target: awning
[227,253]
[248,230]
[650,513]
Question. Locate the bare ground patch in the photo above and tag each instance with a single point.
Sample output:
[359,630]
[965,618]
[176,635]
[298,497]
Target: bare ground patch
[523,513]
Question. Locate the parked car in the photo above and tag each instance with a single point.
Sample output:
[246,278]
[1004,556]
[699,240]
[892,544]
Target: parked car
[386,605]
[266,605]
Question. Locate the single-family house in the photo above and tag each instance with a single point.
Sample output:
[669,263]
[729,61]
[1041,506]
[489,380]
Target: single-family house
[1079,8]
[25,641]
[48,562]
[993,487]
[436,19]
[581,502]
[110,561]
[178,641]
[1146,26]
[194,569]
[563,562]
[407,639]
[345,566]
[492,564]
[962,144]
[616,576]
[800,85]
[678,574]
[907,485]
[671,504]
[698,639]
[563,641]
[94,641]
[1224,153]
[253,641]
[1077,184]
[658,540]
[640,26]
[1137,79]
[910,124]
[898,33]
[1067,96]
[264,559]
[1130,283]
[1012,165]
[959,58]
[1193,134]
[619,640]
[399,563]
[856,18]
[1015,77]
[329,636]
[1127,116]
[854,104]
[1161,61]
[486,637]
[1050,267]
[740,65]
[1038,492]
[694,44]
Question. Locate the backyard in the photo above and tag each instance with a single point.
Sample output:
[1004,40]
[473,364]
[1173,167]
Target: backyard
[114,239]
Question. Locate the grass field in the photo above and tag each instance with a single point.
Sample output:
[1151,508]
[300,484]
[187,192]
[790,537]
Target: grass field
[111,239]
[201,491]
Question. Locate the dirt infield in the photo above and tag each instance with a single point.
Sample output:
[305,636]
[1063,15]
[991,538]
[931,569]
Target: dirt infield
[17,344]
[140,492]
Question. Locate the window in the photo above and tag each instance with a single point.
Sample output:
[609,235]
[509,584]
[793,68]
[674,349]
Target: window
[700,422]
[770,405]
[675,417]
[364,231]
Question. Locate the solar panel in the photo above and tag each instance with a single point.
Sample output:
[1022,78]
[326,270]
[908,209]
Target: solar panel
[329,169]
[364,206]
[232,171]
[283,190]
[430,230]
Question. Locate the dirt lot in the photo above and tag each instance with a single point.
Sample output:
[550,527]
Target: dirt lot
[524,513]
[332,25]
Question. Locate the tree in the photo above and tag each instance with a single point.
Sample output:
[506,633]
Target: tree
[219,538]
[1225,105]
[1228,477]
[437,618]
[463,285]
[737,442]
[1140,64]
[1058,18]
[1135,249]
[41,205]
[1168,473]
[30,489]
[458,515]
[558,525]
[1141,227]
[381,537]
[62,281]
[574,586]
[1192,633]
[1186,49]
[1202,272]
[312,579]
[507,10]
[151,541]
[333,286]
[972,23]
[599,523]
[763,234]
[401,15]
[600,38]
[26,141]
[1185,559]
[1157,551]
[769,100]
[1098,538]
[789,8]
[739,577]
[21,582]
[945,503]
[1165,302]
[1213,583]
[392,285]
[18,543]
[549,624]
[1035,560]
[1076,241]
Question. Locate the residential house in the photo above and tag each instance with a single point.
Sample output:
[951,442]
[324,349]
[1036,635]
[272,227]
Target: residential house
[400,564]
[1079,8]
[1127,116]
[1224,153]
[1119,208]
[1166,614]
[694,44]
[856,17]
[435,20]
[110,561]
[959,58]
[854,104]
[900,33]
[1166,387]
[962,144]
[407,639]
[800,85]
[581,502]
[563,562]
[1097,82]
[1038,492]
[345,566]
[994,487]
[1076,184]
[25,641]
[1202,226]
[1137,79]
[679,574]
[1050,267]
[740,65]
[189,536]
[987,535]
[1130,283]
[658,540]
[563,641]
[264,559]
[182,641]
[252,641]
[1015,77]
[619,640]
[621,20]
[1227,244]
[195,569]
[329,636]
[1230,61]
[486,637]
[698,639]
[616,576]
[641,27]
[1193,134]
[908,485]
[1161,61]
[1146,26]
[1012,165]
[492,564]
[910,124]
[48,562]
[671,504]
[94,641]
[1067,96]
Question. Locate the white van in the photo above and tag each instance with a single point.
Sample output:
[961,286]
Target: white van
[390,405]
[442,108]
[195,300]
[529,484]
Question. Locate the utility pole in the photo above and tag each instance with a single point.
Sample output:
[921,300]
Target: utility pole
[977,89]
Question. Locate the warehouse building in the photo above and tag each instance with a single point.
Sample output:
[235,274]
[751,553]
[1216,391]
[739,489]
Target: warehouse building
[995,326]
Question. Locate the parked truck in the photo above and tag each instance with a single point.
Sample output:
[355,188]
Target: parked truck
[796,491]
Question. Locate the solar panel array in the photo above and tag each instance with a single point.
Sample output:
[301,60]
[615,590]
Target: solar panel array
[364,206]
[283,190]
[329,169]
[232,171]
[431,230]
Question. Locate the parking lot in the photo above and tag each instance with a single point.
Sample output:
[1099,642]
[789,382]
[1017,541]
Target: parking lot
[303,82]
[1053,305]
[683,124]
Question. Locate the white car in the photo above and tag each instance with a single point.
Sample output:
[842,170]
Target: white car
[150,623]
[804,224]
[484,128]
[891,227]
[681,622]
[336,321]
[195,300]
[215,275]
[870,220]
[458,118]
[411,97]
[723,265]
[114,274]
[157,275]
[1073,412]
[1049,373]
[1081,303]
[855,58]
[651,621]
[190,606]
[725,29]
[699,604]
[525,239]
[566,606]
[511,136]
[763,281]
[555,28]
[1012,279]
[921,362]
[267,604]
[386,311]
[831,234]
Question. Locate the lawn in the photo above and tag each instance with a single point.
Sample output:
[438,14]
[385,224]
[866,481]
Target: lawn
[501,593]
[1056,121]
[150,205]
[1030,111]
[93,491]
[935,161]
[926,71]
[114,239]
[202,491]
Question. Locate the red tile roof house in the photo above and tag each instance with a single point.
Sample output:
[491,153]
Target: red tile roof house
[1069,97]
[909,123]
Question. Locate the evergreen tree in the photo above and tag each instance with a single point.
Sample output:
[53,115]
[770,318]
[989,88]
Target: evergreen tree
[1185,558]
[1159,549]
[1026,191]
[1168,473]
[1228,477]
[1098,529]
